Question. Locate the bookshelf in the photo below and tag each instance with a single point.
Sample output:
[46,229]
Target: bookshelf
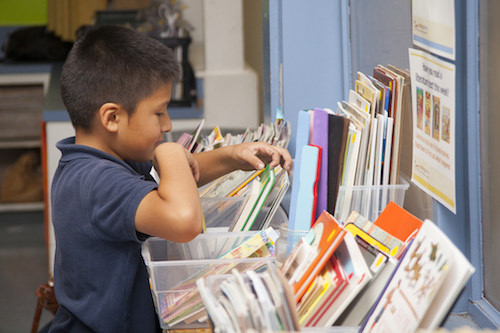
[22,89]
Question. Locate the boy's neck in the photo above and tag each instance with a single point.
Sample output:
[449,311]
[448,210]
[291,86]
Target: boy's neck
[89,139]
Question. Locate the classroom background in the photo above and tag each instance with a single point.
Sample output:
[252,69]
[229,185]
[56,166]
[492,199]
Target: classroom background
[249,59]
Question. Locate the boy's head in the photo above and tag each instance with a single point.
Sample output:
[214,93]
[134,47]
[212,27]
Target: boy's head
[113,64]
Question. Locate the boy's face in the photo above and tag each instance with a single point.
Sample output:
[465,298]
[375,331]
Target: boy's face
[143,131]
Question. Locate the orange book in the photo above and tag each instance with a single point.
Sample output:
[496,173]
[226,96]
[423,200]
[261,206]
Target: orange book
[398,222]
[311,253]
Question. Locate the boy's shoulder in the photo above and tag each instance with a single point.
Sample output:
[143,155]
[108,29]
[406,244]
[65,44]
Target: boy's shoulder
[91,158]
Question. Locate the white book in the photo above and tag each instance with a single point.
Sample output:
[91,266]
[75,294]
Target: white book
[379,145]
[251,199]
[424,286]
[387,152]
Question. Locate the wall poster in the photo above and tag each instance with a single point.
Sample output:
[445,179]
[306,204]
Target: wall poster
[433,26]
[433,105]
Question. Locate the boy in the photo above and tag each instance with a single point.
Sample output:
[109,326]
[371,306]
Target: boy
[116,85]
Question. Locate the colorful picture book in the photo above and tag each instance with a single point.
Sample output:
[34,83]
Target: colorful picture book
[398,264]
[416,283]
[311,253]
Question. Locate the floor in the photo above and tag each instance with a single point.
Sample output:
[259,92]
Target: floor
[23,266]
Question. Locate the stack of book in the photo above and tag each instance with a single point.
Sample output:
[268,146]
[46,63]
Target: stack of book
[251,301]
[396,274]
[277,134]
[242,200]
[357,144]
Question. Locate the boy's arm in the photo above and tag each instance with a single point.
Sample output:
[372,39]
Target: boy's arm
[245,156]
[173,211]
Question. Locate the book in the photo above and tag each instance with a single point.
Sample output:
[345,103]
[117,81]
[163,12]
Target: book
[249,301]
[417,280]
[305,189]
[365,88]
[327,286]
[406,126]
[189,141]
[311,253]
[398,82]
[259,189]
[320,137]
[337,137]
[382,267]
[267,178]
[302,140]
[386,166]
[362,120]
[273,201]
[360,226]
[344,197]
[359,275]
[229,184]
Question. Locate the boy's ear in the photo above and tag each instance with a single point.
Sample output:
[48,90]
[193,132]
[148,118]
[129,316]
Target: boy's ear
[109,116]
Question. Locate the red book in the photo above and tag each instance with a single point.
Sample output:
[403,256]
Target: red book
[311,253]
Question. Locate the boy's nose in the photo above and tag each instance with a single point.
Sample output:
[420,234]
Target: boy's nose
[166,125]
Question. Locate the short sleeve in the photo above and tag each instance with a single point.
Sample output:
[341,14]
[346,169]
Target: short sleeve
[114,193]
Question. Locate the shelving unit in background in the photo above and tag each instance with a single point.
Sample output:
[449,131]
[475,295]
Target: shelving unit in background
[22,92]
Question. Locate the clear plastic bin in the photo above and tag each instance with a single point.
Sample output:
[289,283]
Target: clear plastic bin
[369,201]
[221,212]
[174,268]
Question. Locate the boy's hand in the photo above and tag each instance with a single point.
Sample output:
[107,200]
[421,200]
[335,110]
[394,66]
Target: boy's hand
[244,156]
[163,150]
[193,164]
[255,155]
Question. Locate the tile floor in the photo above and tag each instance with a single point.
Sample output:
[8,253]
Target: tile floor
[23,266]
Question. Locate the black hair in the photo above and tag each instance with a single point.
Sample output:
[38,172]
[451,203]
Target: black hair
[116,64]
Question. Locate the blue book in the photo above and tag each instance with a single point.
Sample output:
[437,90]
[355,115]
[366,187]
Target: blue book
[302,140]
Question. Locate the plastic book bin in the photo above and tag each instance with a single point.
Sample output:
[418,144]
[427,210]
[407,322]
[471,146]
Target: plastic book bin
[221,212]
[174,268]
[369,201]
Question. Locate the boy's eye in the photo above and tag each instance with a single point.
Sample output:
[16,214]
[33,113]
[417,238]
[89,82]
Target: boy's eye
[160,114]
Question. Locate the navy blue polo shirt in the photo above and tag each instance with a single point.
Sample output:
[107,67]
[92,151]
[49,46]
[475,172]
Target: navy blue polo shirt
[100,278]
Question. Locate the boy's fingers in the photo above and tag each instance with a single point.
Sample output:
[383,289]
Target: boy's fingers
[286,159]
[252,159]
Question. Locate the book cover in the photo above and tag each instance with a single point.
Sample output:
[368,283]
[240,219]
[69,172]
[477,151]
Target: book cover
[273,200]
[320,137]
[268,178]
[359,275]
[331,281]
[337,136]
[398,222]
[302,140]
[416,281]
[255,200]
[306,192]
[323,238]
[382,268]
